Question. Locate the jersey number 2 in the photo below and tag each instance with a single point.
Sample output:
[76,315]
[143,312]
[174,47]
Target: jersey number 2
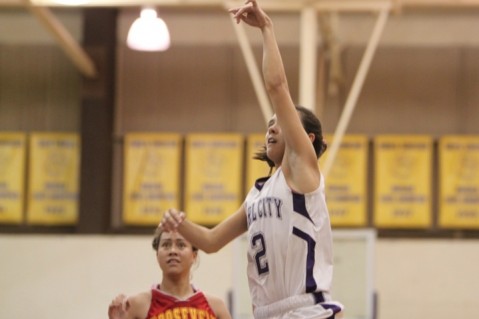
[259,245]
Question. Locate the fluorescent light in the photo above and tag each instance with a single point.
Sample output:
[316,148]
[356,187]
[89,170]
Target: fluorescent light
[148,32]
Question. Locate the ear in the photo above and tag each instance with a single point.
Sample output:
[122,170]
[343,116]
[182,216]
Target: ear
[195,260]
[312,137]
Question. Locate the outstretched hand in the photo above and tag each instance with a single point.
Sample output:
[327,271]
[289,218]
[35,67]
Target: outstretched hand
[118,307]
[172,218]
[251,14]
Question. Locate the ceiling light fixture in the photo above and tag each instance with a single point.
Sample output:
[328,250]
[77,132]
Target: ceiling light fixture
[148,32]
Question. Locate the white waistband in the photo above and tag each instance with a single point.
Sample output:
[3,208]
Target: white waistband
[283,306]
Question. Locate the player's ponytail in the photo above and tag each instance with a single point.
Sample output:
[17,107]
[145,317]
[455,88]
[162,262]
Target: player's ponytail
[312,125]
[261,155]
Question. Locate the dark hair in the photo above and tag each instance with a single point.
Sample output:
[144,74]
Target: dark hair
[312,125]
[156,240]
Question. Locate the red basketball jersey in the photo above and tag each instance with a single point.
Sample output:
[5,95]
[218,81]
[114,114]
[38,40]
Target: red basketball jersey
[164,306]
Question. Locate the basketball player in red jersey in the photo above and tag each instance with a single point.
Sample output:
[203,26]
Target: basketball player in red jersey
[175,296]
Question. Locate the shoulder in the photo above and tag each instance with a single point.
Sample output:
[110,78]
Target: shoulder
[141,297]
[213,300]
[139,304]
[218,306]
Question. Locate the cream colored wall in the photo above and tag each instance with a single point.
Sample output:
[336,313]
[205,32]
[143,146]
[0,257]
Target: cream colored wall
[427,278]
[75,277]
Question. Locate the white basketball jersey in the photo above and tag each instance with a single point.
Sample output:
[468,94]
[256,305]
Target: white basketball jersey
[289,241]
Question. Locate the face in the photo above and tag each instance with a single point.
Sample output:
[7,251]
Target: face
[274,141]
[175,254]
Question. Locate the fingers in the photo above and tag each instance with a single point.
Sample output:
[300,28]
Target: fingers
[172,218]
[126,304]
[253,2]
[114,301]
[250,13]
[118,301]
[240,13]
[236,14]
[116,307]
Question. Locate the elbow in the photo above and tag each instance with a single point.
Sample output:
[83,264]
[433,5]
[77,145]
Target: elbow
[275,86]
[213,247]
[210,247]
[211,250]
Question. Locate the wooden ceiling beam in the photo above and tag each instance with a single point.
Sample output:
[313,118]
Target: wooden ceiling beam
[66,41]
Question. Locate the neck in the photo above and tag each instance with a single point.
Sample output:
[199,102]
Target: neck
[180,288]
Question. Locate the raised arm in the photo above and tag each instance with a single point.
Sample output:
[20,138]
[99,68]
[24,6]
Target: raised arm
[299,162]
[206,239]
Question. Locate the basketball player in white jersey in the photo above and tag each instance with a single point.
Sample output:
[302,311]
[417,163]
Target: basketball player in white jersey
[290,258]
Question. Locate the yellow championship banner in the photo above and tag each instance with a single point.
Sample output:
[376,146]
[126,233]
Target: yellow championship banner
[346,182]
[213,176]
[12,175]
[459,182]
[151,176]
[403,170]
[254,168]
[53,178]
